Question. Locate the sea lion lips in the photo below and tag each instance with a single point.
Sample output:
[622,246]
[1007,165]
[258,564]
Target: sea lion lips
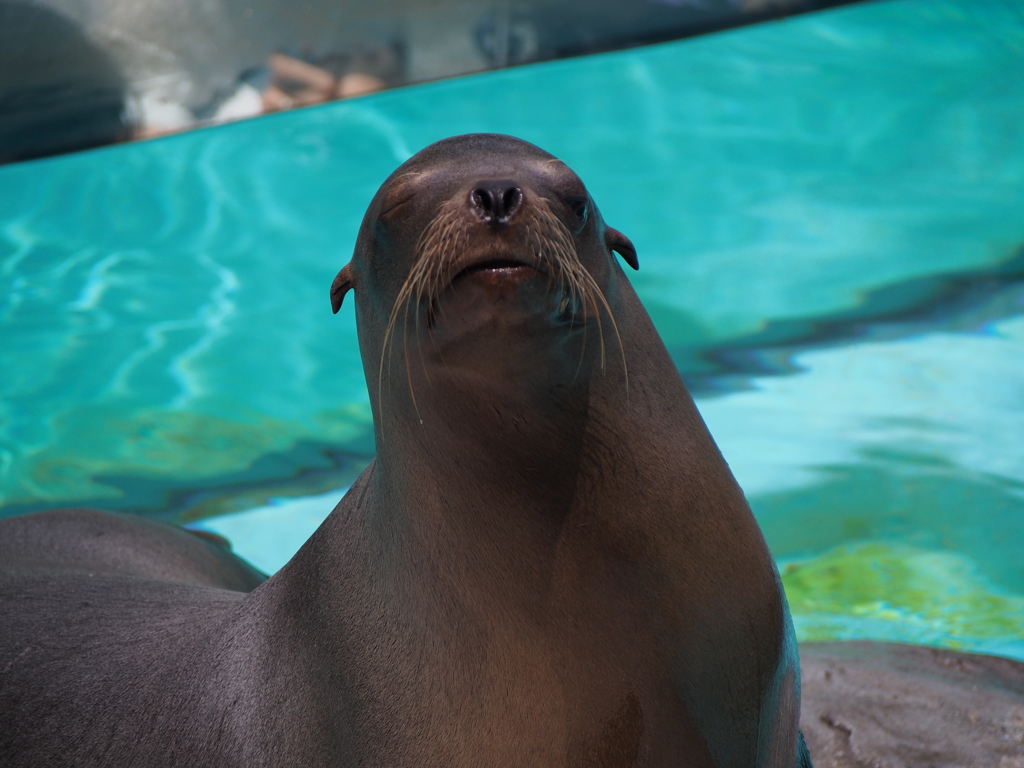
[501,268]
[491,287]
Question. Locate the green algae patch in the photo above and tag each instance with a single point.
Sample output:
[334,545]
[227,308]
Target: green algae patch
[893,592]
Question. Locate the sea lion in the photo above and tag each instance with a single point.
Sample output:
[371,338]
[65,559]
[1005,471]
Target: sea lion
[548,564]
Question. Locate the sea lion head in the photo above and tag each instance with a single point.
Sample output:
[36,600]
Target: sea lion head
[482,258]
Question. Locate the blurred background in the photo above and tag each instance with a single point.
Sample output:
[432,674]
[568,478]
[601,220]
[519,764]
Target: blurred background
[82,73]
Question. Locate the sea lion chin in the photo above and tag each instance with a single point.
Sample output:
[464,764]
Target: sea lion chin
[548,564]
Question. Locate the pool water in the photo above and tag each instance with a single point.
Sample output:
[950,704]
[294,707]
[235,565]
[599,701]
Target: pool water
[829,214]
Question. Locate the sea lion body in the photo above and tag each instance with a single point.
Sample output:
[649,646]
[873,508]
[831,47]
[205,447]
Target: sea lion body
[549,563]
[94,541]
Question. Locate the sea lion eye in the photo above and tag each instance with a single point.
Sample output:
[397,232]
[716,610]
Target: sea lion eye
[578,205]
[395,202]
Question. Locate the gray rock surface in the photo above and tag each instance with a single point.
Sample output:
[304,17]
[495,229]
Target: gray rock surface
[883,705]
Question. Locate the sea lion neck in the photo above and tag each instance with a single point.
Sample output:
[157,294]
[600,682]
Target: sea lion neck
[484,485]
[501,431]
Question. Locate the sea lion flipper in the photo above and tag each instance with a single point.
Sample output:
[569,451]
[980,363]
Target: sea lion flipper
[342,284]
[622,245]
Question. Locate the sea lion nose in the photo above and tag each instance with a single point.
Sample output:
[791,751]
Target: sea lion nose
[496,201]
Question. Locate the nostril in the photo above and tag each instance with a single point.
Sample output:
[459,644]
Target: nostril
[496,201]
[511,200]
[483,200]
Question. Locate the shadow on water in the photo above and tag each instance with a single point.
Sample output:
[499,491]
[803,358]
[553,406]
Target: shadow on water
[965,301]
[916,500]
[59,92]
[306,468]
[957,301]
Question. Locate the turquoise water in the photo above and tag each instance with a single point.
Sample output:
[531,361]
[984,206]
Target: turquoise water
[829,213]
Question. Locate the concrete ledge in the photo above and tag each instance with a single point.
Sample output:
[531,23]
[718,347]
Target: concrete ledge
[885,705]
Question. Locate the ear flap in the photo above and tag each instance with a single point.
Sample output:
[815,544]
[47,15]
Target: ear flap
[620,243]
[342,284]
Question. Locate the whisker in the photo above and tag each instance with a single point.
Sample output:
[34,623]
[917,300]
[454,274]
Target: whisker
[574,277]
[544,237]
[434,256]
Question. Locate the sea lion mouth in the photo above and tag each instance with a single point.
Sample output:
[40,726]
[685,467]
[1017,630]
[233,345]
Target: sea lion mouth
[504,272]
[452,250]
[501,267]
